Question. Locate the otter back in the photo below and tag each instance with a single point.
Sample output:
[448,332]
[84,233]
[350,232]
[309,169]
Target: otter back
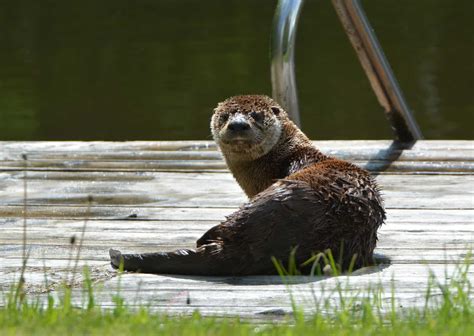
[300,201]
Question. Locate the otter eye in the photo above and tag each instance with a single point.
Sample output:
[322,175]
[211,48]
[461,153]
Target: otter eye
[256,116]
[275,110]
[223,118]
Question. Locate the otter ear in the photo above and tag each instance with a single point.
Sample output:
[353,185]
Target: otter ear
[275,110]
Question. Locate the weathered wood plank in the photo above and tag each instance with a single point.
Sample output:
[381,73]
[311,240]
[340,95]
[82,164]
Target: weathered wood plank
[401,239]
[434,252]
[387,239]
[426,156]
[398,271]
[140,206]
[273,283]
[193,145]
[184,220]
[143,213]
[181,233]
[99,256]
[208,189]
[344,153]
[252,296]
[68,227]
[215,165]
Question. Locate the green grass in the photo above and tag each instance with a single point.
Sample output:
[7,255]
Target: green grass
[449,313]
[31,319]
[78,322]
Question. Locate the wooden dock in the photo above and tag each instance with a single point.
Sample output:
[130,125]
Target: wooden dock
[151,196]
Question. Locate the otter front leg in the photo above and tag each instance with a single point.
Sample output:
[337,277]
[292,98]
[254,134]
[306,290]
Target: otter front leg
[201,261]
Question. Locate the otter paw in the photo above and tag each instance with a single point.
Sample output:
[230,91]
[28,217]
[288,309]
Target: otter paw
[115,258]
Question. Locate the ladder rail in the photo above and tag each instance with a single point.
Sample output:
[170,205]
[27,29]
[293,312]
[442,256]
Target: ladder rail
[282,51]
[368,50]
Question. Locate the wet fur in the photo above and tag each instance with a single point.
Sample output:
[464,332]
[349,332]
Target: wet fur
[299,198]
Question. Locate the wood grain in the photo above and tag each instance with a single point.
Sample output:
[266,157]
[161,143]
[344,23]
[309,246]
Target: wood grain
[156,196]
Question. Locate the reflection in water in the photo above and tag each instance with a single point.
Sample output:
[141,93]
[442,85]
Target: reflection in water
[428,72]
[123,70]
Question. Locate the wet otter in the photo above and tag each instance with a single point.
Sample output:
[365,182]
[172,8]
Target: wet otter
[300,200]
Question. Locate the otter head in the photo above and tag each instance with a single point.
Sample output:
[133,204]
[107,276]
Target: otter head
[247,127]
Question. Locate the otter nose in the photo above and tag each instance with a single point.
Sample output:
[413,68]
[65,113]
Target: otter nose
[238,125]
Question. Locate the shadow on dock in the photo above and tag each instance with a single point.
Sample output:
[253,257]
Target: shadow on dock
[382,262]
[385,157]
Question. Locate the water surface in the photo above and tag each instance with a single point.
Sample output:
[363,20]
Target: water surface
[154,70]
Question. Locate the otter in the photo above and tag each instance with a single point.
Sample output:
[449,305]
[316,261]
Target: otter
[301,201]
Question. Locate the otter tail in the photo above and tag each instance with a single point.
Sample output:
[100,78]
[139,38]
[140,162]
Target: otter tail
[184,261]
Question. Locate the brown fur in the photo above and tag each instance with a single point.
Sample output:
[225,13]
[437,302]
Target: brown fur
[299,198]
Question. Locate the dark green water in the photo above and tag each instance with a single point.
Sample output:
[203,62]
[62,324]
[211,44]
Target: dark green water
[154,70]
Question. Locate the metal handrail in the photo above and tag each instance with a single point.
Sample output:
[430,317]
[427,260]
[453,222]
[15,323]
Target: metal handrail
[282,50]
[369,52]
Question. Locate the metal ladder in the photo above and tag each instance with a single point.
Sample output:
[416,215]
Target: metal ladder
[368,50]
